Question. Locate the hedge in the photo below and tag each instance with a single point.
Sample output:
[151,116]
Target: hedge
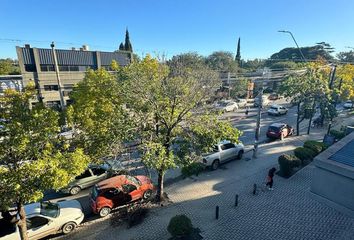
[315,146]
[337,134]
[304,154]
[179,226]
[287,163]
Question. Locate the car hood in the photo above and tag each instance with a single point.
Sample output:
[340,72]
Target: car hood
[143,179]
[70,208]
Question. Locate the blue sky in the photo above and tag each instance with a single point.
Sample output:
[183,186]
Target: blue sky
[174,26]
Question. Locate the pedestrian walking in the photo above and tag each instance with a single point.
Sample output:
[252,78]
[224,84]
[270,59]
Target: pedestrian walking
[270,178]
[246,112]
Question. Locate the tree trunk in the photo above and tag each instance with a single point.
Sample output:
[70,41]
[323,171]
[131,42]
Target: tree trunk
[159,185]
[22,225]
[298,120]
[310,120]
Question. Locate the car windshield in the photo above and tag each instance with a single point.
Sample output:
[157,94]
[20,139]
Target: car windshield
[49,209]
[215,148]
[273,129]
[133,179]
[274,108]
[222,104]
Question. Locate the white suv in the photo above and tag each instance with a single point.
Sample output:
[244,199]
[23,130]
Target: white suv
[227,106]
[46,218]
[277,110]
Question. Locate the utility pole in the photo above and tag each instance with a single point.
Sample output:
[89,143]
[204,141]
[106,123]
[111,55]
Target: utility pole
[60,87]
[297,45]
[258,125]
[331,82]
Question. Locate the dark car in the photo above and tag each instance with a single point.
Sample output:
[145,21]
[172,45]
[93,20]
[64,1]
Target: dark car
[279,131]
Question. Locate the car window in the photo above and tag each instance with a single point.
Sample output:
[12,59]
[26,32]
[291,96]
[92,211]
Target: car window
[215,148]
[110,193]
[229,145]
[128,188]
[36,222]
[274,108]
[98,171]
[274,129]
[85,174]
[49,209]
[133,180]
[223,147]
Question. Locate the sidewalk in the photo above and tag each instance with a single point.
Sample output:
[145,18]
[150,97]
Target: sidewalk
[288,212]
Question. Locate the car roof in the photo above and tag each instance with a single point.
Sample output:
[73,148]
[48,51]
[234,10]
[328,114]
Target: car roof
[113,182]
[277,124]
[275,105]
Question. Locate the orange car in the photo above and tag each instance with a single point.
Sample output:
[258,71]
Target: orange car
[118,191]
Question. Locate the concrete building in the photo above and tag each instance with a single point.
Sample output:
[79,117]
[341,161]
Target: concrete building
[333,179]
[39,65]
[10,82]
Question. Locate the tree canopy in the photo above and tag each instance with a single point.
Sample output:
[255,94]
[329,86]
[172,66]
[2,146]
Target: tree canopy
[222,61]
[9,67]
[33,158]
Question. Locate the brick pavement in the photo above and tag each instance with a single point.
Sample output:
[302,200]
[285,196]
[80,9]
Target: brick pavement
[288,212]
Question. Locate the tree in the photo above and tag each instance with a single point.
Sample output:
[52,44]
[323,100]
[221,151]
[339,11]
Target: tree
[33,158]
[121,47]
[239,88]
[127,44]
[253,65]
[190,60]
[222,61]
[238,54]
[345,74]
[9,67]
[98,113]
[311,53]
[347,57]
[162,102]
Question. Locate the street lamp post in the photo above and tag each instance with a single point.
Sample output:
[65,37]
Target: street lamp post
[302,55]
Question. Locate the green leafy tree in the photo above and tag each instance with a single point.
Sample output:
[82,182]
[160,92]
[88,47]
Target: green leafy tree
[222,61]
[312,53]
[190,60]
[254,64]
[9,67]
[347,57]
[33,158]
[162,102]
[239,88]
[345,74]
[98,113]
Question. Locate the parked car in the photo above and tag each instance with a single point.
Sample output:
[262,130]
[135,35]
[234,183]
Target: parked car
[277,110]
[227,106]
[273,96]
[223,152]
[348,104]
[241,102]
[92,175]
[46,218]
[279,130]
[118,191]
[265,101]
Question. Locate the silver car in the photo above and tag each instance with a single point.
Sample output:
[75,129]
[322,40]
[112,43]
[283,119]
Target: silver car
[94,174]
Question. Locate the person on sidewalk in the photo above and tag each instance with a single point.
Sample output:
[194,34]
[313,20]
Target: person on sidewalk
[270,178]
[247,109]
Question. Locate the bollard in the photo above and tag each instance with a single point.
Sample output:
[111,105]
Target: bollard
[217,212]
[236,200]
[254,189]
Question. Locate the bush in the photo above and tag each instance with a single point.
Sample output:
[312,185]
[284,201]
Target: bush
[304,154]
[179,226]
[315,146]
[194,168]
[337,134]
[287,163]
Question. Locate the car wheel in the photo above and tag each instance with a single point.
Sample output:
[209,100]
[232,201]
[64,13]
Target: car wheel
[147,194]
[240,154]
[68,227]
[215,165]
[105,211]
[75,190]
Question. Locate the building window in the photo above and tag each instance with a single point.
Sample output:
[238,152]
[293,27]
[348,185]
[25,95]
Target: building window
[53,104]
[30,67]
[47,68]
[64,68]
[73,68]
[51,88]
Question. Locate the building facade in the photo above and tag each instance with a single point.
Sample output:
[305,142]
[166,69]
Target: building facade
[10,82]
[45,66]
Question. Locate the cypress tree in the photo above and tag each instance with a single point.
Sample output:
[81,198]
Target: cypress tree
[238,54]
[127,45]
[121,47]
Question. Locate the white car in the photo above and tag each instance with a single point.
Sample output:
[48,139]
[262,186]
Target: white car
[241,102]
[277,110]
[46,218]
[348,104]
[227,106]
[223,152]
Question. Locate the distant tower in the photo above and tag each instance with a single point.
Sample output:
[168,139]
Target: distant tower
[238,54]
[127,44]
